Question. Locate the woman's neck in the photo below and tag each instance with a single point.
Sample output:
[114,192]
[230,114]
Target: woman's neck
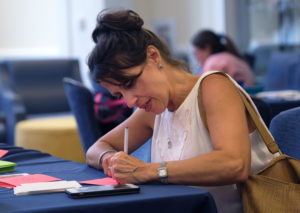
[181,83]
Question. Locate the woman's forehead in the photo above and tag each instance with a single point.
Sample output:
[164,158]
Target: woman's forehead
[134,70]
[109,81]
[108,84]
[126,74]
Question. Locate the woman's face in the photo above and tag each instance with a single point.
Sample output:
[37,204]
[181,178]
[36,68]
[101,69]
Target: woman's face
[149,91]
[202,54]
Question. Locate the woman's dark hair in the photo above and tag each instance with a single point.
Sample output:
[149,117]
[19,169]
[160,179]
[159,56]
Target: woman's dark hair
[121,43]
[217,43]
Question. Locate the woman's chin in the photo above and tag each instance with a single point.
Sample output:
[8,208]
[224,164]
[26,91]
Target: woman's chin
[158,110]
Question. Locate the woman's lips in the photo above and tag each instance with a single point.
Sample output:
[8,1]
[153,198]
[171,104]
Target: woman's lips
[147,106]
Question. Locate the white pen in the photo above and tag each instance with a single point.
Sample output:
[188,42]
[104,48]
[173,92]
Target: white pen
[126,140]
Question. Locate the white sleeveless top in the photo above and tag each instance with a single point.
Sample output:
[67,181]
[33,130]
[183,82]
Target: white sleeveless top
[189,138]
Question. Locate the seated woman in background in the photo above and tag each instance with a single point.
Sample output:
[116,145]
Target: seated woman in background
[133,63]
[218,53]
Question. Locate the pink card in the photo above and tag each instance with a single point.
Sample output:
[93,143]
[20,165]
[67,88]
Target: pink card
[101,181]
[3,152]
[18,180]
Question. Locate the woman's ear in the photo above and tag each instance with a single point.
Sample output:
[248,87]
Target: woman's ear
[153,54]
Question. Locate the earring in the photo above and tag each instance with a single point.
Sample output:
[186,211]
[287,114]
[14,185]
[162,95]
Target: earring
[160,66]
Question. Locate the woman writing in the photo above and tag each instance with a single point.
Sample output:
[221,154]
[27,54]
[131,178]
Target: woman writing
[132,63]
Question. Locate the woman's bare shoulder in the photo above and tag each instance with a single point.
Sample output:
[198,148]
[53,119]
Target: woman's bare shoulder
[218,87]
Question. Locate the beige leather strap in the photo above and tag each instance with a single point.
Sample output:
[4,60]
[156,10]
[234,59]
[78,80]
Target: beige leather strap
[201,108]
[263,130]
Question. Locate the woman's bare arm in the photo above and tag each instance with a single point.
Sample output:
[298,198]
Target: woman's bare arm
[140,125]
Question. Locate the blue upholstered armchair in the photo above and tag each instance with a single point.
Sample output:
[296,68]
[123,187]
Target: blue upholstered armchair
[285,127]
[33,88]
[283,71]
[81,103]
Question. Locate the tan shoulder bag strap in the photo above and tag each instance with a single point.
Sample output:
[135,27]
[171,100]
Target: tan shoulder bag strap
[201,108]
[264,132]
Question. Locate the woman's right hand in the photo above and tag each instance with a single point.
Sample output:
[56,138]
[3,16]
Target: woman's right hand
[129,169]
[106,163]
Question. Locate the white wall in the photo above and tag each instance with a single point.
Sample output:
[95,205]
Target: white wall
[82,19]
[237,23]
[189,15]
[33,28]
[48,29]
[62,28]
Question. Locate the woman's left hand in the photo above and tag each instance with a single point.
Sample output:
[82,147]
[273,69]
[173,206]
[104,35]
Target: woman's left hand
[127,169]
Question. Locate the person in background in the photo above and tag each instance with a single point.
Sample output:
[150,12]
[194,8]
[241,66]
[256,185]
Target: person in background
[134,64]
[217,52]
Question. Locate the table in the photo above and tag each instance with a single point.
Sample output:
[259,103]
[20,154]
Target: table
[280,100]
[278,105]
[153,197]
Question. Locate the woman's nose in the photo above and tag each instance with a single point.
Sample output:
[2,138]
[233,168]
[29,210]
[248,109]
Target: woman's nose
[131,101]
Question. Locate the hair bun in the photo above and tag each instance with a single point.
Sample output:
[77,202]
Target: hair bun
[117,20]
[121,20]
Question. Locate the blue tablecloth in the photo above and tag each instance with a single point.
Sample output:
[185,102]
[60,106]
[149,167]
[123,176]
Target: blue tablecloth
[279,105]
[153,197]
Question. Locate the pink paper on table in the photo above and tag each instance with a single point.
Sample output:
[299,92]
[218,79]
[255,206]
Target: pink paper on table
[18,180]
[101,181]
[3,152]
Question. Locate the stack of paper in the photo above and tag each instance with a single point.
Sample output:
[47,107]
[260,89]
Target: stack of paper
[46,187]
[6,166]
[14,181]
[101,182]
[280,94]
[3,152]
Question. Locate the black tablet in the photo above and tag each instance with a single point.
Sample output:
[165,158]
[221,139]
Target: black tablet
[93,191]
